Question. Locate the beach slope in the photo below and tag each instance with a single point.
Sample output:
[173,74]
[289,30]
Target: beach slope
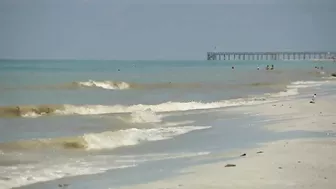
[296,163]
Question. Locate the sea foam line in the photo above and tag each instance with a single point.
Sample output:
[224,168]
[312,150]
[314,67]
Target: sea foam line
[22,175]
[164,107]
[293,88]
[25,174]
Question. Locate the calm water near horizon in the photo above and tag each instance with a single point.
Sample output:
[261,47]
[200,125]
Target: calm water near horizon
[65,118]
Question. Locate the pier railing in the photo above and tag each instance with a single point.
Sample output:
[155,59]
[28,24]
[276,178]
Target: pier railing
[271,55]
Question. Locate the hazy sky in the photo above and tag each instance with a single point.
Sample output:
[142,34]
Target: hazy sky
[161,29]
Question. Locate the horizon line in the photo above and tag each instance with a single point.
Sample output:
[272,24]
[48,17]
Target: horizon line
[70,59]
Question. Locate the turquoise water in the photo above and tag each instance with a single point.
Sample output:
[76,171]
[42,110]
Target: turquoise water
[217,80]
[71,118]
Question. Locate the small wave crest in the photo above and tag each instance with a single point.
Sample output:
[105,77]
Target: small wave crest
[104,140]
[112,85]
[29,111]
[146,116]
[134,136]
[121,85]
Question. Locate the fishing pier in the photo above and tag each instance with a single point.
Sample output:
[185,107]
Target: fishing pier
[271,55]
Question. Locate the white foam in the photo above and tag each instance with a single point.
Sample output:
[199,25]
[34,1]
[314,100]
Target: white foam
[171,124]
[293,88]
[306,84]
[330,77]
[134,136]
[31,115]
[12,176]
[145,117]
[287,92]
[106,84]
[164,107]
[25,174]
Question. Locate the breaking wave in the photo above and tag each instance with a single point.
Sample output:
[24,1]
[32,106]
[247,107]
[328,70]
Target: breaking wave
[104,140]
[30,111]
[122,85]
[112,85]
[134,136]
[145,113]
[40,110]
[164,107]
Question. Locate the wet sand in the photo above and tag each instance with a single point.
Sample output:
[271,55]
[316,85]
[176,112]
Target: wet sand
[296,163]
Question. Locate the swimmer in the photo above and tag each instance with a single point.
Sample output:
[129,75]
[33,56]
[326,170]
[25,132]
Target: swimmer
[18,110]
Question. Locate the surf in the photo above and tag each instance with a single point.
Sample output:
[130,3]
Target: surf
[110,85]
[68,109]
[103,140]
[143,112]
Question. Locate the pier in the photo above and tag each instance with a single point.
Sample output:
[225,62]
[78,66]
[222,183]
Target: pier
[271,55]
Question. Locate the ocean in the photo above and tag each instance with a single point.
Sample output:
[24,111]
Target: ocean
[101,124]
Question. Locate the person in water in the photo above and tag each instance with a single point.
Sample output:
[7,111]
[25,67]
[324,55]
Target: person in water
[272,68]
[267,67]
[18,112]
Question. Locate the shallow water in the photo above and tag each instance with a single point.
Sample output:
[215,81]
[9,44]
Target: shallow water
[60,119]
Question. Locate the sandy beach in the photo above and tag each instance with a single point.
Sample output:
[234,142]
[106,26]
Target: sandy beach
[167,94]
[297,163]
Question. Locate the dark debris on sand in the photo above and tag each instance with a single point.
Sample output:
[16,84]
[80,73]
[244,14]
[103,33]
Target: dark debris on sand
[63,185]
[230,165]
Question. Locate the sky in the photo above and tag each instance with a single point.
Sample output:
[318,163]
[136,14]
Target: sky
[162,29]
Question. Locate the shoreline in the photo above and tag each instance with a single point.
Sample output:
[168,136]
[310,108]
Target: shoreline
[279,164]
[286,112]
[294,163]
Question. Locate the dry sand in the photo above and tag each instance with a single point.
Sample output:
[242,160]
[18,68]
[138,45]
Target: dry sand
[298,114]
[299,163]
